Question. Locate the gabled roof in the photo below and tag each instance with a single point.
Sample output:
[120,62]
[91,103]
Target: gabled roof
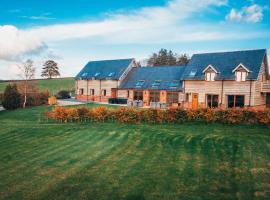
[155,78]
[210,66]
[225,63]
[241,66]
[104,69]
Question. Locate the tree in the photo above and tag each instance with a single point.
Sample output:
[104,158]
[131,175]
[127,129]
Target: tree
[163,57]
[183,59]
[50,69]
[11,98]
[27,72]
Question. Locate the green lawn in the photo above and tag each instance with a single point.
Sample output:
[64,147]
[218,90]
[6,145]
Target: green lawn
[53,85]
[40,160]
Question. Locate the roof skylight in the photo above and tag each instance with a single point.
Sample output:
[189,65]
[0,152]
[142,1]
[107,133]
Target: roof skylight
[97,74]
[139,83]
[111,74]
[156,83]
[192,73]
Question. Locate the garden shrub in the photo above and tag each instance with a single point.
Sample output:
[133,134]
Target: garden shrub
[153,116]
[63,94]
[11,97]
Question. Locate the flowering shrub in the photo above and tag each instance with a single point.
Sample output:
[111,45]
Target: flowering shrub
[136,116]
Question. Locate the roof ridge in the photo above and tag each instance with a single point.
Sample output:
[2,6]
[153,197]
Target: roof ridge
[236,51]
[121,59]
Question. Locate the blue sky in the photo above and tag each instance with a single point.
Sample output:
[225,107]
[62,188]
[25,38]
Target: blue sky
[74,32]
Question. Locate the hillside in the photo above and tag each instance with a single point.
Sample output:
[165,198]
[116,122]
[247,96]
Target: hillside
[53,85]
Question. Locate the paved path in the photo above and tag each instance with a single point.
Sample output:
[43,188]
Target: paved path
[69,102]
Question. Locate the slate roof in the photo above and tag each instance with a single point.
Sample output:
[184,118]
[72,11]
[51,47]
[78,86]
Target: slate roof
[224,63]
[155,78]
[104,69]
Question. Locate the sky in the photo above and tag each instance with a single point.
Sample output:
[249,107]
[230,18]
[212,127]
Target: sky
[75,32]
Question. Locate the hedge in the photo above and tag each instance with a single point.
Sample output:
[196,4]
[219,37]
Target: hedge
[154,116]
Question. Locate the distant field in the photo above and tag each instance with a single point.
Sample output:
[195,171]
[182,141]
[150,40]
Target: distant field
[41,160]
[53,85]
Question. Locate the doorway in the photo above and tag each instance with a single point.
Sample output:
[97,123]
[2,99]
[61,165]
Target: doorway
[195,101]
[268,100]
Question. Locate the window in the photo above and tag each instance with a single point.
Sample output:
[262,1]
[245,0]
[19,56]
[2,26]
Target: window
[156,84]
[92,92]
[240,76]
[210,76]
[187,97]
[139,84]
[172,97]
[235,101]
[212,101]
[81,91]
[128,94]
[138,95]
[104,93]
[154,96]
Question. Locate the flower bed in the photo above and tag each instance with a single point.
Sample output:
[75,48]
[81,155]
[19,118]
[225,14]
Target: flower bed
[137,116]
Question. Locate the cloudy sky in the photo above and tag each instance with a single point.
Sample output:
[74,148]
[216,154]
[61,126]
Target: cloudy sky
[74,32]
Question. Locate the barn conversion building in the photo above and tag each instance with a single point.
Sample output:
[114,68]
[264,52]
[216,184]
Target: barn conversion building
[225,80]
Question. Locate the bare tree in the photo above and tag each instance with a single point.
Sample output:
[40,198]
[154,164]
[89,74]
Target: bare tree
[27,72]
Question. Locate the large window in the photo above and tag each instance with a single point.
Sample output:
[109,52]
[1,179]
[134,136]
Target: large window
[212,101]
[138,95]
[240,76]
[154,96]
[172,97]
[235,101]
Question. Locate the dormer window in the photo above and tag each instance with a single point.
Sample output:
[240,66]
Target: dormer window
[210,73]
[210,76]
[241,73]
[240,76]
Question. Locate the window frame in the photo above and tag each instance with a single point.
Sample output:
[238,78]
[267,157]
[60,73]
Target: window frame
[235,101]
[104,92]
[92,92]
[211,76]
[172,99]
[154,95]
[211,100]
[135,95]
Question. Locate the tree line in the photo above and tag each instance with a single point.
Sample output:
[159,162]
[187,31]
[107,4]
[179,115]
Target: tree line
[167,58]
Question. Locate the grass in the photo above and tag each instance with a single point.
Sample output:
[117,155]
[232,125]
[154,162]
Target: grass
[40,160]
[53,85]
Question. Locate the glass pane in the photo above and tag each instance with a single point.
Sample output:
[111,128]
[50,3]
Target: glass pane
[209,101]
[239,101]
[138,95]
[215,101]
[230,101]
[154,96]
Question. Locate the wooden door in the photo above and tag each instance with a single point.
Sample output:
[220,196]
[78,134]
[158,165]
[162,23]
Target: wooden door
[195,100]
[113,93]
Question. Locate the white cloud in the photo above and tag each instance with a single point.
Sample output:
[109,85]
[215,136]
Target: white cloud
[251,14]
[150,24]
[14,43]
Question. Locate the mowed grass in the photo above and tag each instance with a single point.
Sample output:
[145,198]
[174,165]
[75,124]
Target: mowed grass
[53,85]
[40,160]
